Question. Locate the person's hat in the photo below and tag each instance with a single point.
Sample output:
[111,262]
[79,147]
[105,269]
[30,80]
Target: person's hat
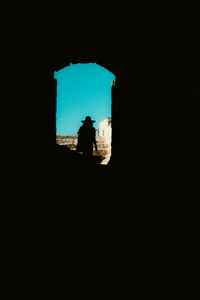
[88,120]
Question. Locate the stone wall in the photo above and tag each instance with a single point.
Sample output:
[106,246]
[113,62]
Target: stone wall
[70,141]
[67,140]
[105,130]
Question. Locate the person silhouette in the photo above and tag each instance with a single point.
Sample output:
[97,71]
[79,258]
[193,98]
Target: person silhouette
[86,137]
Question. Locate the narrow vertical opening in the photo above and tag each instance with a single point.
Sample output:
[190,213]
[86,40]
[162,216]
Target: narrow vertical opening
[83,92]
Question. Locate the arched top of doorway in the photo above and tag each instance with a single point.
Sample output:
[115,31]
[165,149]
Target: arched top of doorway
[96,65]
[109,63]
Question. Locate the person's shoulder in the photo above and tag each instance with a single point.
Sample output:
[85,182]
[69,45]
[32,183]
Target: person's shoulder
[80,128]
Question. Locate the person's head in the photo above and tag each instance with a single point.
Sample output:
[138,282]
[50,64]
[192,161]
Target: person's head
[88,121]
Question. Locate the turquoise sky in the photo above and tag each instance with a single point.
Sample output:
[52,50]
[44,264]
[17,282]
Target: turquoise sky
[82,89]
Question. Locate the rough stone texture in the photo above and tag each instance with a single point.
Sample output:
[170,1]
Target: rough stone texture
[67,140]
[105,129]
[70,141]
[105,132]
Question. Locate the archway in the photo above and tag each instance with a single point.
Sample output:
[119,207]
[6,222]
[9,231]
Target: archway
[84,89]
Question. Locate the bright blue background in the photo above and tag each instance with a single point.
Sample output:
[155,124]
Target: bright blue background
[82,89]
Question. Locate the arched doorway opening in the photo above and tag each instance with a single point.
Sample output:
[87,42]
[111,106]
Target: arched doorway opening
[84,89]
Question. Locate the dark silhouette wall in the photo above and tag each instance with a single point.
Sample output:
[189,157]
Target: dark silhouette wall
[155,119]
[154,113]
[150,111]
